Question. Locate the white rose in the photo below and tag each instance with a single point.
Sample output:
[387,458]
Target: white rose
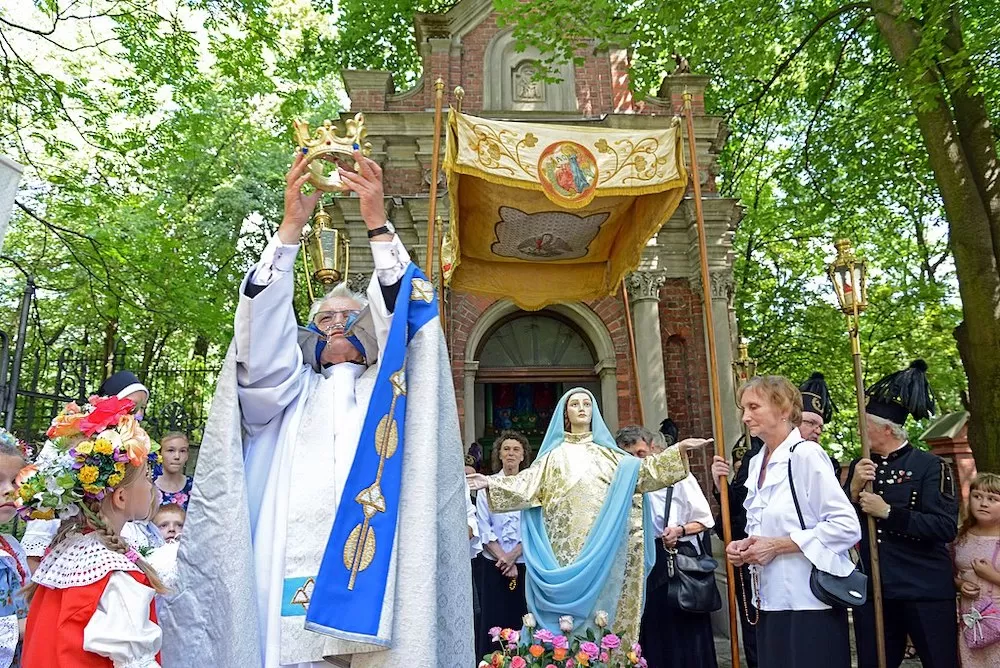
[566,624]
[529,621]
[601,619]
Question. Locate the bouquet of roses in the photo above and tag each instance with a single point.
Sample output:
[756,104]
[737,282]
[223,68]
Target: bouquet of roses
[84,458]
[533,647]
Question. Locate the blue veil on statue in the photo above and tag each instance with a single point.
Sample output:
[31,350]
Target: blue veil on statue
[594,580]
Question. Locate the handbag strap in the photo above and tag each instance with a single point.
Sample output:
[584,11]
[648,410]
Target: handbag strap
[791,483]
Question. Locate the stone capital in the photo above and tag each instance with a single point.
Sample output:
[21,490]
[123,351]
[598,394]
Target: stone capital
[644,285]
[721,282]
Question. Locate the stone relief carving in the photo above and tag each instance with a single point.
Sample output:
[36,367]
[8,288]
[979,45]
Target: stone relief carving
[526,88]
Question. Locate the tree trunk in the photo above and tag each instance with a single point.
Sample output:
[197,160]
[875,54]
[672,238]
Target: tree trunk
[972,238]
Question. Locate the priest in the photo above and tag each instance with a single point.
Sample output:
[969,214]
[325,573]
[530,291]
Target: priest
[327,520]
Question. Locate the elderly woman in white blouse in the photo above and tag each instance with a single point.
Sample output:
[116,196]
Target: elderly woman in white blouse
[501,588]
[795,629]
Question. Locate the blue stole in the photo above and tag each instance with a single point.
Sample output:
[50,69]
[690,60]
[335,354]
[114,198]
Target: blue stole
[579,588]
[349,590]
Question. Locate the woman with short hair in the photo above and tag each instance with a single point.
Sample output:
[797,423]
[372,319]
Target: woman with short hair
[501,586]
[795,628]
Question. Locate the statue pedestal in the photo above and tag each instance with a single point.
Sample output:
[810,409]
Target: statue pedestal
[10,175]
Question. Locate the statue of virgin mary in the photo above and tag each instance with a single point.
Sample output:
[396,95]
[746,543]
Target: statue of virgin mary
[587,535]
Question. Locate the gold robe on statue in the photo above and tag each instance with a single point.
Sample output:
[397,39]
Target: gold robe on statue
[570,483]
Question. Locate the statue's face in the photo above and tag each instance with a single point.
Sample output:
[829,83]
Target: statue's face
[579,410]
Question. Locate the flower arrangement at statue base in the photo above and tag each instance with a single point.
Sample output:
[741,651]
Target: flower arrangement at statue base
[533,647]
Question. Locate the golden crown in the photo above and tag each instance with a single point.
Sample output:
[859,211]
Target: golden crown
[325,141]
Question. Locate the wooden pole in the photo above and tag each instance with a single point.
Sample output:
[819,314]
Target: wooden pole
[853,324]
[435,159]
[713,378]
[631,344]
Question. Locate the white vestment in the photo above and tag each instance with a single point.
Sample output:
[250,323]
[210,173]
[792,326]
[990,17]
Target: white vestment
[300,429]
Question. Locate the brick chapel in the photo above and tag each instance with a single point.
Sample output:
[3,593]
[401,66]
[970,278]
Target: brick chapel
[510,366]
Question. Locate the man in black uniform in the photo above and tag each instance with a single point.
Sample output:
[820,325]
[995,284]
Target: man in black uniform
[916,516]
[817,412]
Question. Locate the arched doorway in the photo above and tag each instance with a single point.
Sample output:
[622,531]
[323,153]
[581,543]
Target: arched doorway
[518,364]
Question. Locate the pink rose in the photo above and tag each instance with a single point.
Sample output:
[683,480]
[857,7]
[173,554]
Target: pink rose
[605,656]
[637,648]
[590,649]
[495,633]
[560,642]
[518,662]
[570,663]
[642,663]
[611,641]
[544,635]
[551,665]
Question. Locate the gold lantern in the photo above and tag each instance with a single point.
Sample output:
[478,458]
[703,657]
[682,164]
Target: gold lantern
[849,276]
[326,253]
[744,367]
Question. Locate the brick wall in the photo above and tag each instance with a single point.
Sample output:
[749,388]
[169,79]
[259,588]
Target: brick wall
[686,367]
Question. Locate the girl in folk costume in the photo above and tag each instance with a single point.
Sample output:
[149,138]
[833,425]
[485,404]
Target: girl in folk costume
[977,574]
[13,561]
[92,595]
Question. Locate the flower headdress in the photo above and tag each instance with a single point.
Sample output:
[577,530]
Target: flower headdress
[8,439]
[84,458]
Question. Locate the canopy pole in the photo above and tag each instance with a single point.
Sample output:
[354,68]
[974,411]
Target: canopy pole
[713,377]
[432,205]
[631,346]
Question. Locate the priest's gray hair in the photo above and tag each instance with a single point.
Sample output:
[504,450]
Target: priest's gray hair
[339,290]
[897,430]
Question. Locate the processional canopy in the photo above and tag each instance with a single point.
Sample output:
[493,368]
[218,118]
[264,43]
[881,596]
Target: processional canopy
[552,213]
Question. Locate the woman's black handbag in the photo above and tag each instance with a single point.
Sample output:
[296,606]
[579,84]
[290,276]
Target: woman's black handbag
[688,576]
[850,591]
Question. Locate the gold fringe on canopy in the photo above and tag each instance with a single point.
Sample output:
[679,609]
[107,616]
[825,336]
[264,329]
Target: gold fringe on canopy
[553,213]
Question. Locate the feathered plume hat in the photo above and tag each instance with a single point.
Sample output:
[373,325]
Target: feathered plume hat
[816,397]
[903,393]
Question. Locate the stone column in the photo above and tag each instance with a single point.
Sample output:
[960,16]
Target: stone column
[722,295]
[644,298]
[469,414]
[607,372]
[10,175]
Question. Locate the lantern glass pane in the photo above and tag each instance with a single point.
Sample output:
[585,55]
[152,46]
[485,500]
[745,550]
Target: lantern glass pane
[329,240]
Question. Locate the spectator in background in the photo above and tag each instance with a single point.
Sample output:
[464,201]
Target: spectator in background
[502,573]
[169,519]
[172,483]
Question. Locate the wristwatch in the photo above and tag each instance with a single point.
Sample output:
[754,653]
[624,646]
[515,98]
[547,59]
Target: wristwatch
[388,228]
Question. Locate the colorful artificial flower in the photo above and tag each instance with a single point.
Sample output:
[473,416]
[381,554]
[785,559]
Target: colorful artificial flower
[84,459]
[104,413]
[601,619]
[611,641]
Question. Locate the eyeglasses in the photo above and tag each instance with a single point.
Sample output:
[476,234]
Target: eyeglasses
[326,319]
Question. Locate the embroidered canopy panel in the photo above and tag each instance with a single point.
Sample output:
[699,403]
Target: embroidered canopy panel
[548,213]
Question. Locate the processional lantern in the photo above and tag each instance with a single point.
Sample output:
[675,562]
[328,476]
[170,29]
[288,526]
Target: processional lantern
[744,366]
[848,273]
[327,251]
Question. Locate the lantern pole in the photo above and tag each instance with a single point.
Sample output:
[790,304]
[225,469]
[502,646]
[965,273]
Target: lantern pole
[853,298]
[713,378]
[744,368]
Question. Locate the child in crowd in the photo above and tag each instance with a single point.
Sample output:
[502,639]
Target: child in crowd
[977,574]
[91,598]
[13,561]
[169,519]
[173,484]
